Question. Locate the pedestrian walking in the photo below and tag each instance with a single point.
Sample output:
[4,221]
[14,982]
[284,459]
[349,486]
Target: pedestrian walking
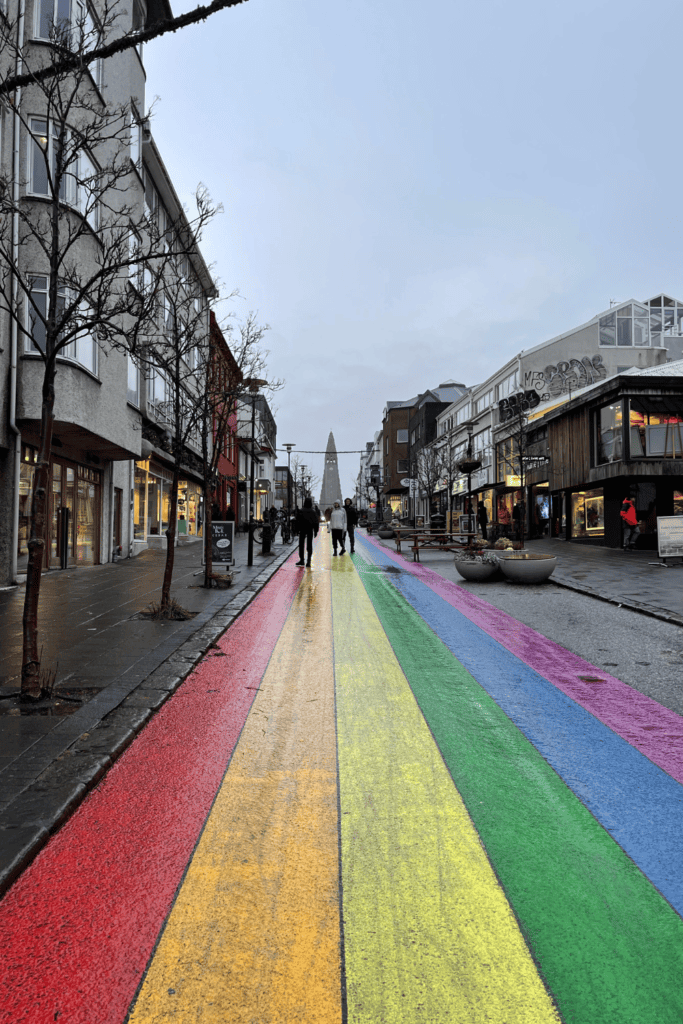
[307,523]
[351,522]
[628,514]
[338,525]
[482,518]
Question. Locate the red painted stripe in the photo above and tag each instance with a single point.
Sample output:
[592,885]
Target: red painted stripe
[654,730]
[78,927]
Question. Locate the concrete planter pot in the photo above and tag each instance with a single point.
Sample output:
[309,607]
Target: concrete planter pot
[527,566]
[385,533]
[475,568]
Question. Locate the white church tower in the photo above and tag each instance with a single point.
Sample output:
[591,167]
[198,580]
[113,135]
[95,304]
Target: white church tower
[331,489]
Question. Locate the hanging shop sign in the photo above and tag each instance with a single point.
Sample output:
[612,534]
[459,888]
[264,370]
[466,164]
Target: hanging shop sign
[670,536]
[222,543]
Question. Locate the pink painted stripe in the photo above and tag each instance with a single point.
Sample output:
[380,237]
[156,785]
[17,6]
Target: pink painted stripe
[651,728]
[78,927]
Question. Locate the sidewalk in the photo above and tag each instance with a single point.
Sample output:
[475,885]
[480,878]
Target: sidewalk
[626,578]
[116,667]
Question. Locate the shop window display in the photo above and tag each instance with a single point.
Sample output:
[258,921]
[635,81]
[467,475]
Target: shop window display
[588,514]
[678,503]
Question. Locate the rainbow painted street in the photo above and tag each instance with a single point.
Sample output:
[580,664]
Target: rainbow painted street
[378,800]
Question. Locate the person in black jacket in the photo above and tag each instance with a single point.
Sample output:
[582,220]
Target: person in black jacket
[307,523]
[351,521]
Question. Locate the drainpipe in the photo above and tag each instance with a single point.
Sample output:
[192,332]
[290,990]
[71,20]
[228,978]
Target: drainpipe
[15,294]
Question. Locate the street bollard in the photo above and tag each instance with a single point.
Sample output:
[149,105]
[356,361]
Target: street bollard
[265,539]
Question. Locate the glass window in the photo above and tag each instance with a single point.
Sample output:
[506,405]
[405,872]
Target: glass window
[608,329]
[641,332]
[83,349]
[402,437]
[135,150]
[656,427]
[507,386]
[462,414]
[624,336]
[679,320]
[640,310]
[588,514]
[88,185]
[666,301]
[484,401]
[656,320]
[624,310]
[656,302]
[51,13]
[669,321]
[678,503]
[133,393]
[608,441]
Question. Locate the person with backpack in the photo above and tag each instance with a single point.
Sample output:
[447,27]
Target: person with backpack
[628,514]
[307,525]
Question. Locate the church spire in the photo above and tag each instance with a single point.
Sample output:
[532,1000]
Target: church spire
[331,489]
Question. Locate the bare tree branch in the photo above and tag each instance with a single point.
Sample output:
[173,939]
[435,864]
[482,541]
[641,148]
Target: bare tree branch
[76,61]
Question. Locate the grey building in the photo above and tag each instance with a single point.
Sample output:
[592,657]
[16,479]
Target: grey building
[110,464]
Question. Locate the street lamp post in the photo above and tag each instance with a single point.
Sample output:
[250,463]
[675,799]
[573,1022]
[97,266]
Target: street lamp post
[469,465]
[253,384]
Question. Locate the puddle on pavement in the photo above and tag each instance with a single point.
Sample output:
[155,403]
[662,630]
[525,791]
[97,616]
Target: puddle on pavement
[64,702]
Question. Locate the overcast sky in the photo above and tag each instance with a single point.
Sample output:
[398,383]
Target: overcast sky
[414,192]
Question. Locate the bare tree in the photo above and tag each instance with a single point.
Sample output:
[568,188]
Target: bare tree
[232,363]
[176,354]
[429,470]
[66,61]
[75,244]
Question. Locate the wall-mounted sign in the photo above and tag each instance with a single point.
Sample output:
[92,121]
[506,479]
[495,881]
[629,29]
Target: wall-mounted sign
[670,536]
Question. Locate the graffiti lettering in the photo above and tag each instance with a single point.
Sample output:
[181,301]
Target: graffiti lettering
[555,380]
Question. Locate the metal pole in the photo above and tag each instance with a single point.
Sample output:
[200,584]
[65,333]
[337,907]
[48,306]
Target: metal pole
[250,544]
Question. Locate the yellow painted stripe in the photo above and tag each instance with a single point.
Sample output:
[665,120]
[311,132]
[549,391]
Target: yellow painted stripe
[254,935]
[429,935]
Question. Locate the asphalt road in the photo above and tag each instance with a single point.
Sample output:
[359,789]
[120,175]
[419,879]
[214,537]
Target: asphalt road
[641,651]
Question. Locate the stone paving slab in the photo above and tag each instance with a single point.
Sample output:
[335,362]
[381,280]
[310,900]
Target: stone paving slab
[49,764]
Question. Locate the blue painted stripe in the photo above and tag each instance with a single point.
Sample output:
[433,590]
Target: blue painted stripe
[634,800]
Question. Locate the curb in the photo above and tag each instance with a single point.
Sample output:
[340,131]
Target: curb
[47,786]
[633,606]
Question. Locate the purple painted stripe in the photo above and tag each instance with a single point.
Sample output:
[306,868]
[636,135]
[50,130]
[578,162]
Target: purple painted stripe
[651,728]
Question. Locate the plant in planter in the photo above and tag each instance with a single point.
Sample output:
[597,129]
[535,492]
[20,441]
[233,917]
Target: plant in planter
[473,564]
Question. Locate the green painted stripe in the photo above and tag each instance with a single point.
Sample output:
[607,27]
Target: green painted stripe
[429,937]
[608,945]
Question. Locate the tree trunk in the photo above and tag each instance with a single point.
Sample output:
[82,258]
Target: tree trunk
[170,537]
[208,519]
[30,669]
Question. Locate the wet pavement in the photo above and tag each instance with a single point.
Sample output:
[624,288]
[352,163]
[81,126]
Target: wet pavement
[114,669]
[377,797]
[632,579]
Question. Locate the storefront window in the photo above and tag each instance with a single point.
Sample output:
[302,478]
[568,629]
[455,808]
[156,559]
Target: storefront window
[88,518]
[27,472]
[608,434]
[656,427]
[678,503]
[588,514]
[140,503]
[189,508]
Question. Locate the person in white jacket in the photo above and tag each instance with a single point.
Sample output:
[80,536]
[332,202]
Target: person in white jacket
[338,526]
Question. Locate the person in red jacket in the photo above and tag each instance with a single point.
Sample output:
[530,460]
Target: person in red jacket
[628,514]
